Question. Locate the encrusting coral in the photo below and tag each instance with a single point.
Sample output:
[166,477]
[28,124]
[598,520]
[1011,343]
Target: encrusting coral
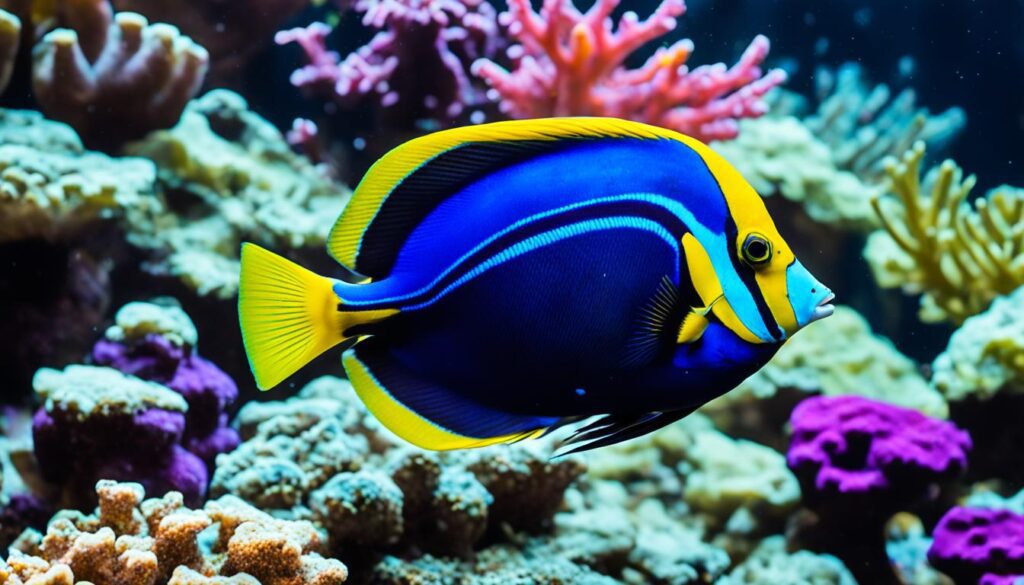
[157,342]
[229,175]
[416,67]
[168,400]
[571,63]
[982,546]
[130,540]
[862,126]
[780,155]
[859,462]
[771,564]
[321,456]
[958,255]
[115,77]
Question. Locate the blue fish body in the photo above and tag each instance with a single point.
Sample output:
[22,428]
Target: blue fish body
[529,275]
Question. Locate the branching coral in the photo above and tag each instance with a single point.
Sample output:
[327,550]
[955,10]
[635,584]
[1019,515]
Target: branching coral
[115,78]
[779,155]
[230,176]
[862,126]
[571,63]
[958,255]
[859,462]
[132,541]
[417,66]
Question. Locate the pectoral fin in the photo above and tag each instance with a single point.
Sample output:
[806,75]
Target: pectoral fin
[693,326]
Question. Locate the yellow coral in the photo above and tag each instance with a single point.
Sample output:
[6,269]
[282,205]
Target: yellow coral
[958,255]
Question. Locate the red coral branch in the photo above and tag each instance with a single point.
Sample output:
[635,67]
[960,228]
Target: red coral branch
[571,63]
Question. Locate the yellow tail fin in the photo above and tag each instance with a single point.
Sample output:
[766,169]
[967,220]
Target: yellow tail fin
[288,314]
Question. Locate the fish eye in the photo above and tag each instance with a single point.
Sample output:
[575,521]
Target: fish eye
[757,250]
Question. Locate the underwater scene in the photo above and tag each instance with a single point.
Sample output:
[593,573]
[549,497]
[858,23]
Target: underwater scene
[511,292]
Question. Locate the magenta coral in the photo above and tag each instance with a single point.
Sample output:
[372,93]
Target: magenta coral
[860,461]
[417,65]
[979,545]
[571,63]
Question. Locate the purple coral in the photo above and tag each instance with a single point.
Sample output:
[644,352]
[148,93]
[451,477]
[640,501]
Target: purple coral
[979,545]
[208,391]
[113,78]
[860,461]
[571,63]
[418,64]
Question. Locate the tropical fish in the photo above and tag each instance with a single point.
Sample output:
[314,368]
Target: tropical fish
[523,275]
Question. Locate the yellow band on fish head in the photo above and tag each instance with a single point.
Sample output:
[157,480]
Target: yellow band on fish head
[708,286]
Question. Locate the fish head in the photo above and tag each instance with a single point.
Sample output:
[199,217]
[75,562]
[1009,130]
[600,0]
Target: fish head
[766,294]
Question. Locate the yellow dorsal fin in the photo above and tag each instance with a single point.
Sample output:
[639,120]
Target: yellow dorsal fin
[415,177]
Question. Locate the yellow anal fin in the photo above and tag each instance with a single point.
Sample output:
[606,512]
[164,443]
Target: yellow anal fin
[288,315]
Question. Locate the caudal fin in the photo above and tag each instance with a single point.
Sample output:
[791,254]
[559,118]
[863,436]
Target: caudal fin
[289,315]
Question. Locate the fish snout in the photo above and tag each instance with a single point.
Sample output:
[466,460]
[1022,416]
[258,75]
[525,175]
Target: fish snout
[825,308]
[811,300]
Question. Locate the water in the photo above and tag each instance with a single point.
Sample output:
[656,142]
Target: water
[879,445]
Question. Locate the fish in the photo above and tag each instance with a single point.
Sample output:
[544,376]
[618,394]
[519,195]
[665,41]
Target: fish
[518,277]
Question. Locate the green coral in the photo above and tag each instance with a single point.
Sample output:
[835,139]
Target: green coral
[85,391]
[858,362]
[232,177]
[136,320]
[985,356]
[51,188]
[781,155]
[959,256]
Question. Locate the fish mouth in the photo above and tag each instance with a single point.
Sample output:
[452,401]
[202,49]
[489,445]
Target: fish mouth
[824,309]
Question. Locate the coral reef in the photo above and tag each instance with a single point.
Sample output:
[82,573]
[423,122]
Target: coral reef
[859,462]
[771,564]
[985,355]
[869,365]
[115,77]
[862,125]
[571,63]
[59,208]
[233,31]
[418,41]
[321,456]
[79,433]
[158,343]
[780,155]
[957,255]
[130,540]
[979,545]
[229,175]
[10,40]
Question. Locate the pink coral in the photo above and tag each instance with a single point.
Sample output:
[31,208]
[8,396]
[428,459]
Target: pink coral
[417,65]
[571,63]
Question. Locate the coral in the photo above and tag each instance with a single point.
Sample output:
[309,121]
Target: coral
[771,564]
[115,77]
[321,456]
[979,545]
[233,31]
[157,343]
[10,40]
[570,63]
[779,155]
[859,462]
[79,432]
[739,490]
[862,126]
[907,546]
[435,41]
[985,355]
[957,255]
[133,541]
[230,176]
[868,365]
